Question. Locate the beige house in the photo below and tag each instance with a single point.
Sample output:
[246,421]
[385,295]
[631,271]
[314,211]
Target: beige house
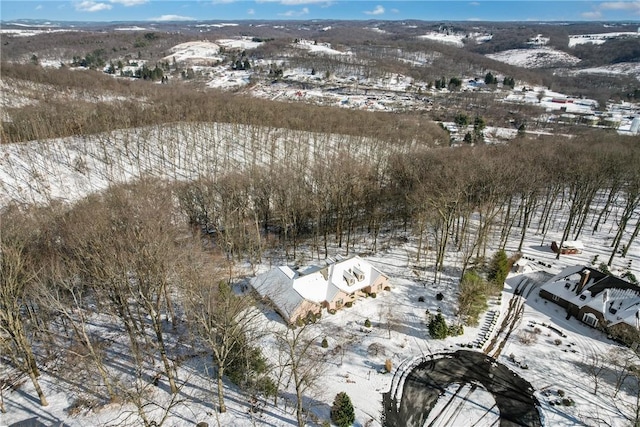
[296,294]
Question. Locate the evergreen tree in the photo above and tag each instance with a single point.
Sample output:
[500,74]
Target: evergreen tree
[499,268]
[489,79]
[454,83]
[461,119]
[438,328]
[342,413]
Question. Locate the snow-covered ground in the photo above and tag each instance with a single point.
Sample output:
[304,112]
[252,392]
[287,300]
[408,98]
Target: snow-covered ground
[453,39]
[539,57]
[240,43]
[70,168]
[356,354]
[599,38]
[623,68]
[29,32]
[319,48]
[457,39]
[195,52]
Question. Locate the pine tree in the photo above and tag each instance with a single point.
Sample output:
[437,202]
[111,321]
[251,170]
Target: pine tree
[499,268]
[438,328]
[488,79]
[342,413]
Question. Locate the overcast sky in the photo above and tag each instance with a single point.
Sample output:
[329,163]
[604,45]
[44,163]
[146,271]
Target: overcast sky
[201,10]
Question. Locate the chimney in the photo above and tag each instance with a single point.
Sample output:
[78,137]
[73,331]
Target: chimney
[584,278]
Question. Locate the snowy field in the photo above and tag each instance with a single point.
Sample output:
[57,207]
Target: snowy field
[356,354]
[73,167]
[600,38]
[539,57]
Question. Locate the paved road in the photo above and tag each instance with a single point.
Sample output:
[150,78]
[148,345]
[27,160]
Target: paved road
[427,381]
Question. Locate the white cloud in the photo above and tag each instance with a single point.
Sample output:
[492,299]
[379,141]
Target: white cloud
[223,1]
[474,3]
[165,18]
[251,12]
[91,6]
[129,2]
[39,7]
[394,11]
[290,13]
[633,6]
[591,15]
[379,10]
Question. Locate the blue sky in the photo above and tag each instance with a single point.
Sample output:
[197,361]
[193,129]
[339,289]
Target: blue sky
[429,10]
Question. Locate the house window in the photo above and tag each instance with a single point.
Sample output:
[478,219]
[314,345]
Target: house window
[590,319]
[339,303]
[555,297]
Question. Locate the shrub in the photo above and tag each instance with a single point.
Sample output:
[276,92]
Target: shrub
[630,277]
[325,343]
[420,299]
[372,295]
[387,288]
[438,327]
[561,393]
[342,413]
[528,338]
[388,365]
[439,296]
[557,341]
[603,267]
[332,311]
[456,330]
[348,304]
[266,386]
[367,323]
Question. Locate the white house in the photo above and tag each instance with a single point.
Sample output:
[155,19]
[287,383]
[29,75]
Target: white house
[296,294]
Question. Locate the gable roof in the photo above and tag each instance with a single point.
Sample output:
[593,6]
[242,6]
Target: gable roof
[288,289]
[276,285]
[616,299]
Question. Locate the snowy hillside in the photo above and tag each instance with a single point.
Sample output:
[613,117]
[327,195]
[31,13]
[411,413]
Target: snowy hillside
[540,57]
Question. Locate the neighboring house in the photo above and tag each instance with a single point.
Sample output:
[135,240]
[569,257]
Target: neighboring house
[568,247]
[298,294]
[597,299]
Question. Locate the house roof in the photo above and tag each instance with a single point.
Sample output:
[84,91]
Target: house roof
[288,288]
[276,285]
[617,300]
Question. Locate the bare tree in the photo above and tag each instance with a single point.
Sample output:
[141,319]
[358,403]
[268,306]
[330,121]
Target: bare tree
[224,321]
[19,279]
[305,367]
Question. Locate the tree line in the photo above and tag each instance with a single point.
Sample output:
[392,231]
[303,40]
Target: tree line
[149,104]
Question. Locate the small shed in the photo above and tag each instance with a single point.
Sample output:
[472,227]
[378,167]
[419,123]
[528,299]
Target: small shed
[569,247]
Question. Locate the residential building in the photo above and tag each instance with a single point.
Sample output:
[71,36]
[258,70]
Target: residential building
[598,299]
[298,294]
